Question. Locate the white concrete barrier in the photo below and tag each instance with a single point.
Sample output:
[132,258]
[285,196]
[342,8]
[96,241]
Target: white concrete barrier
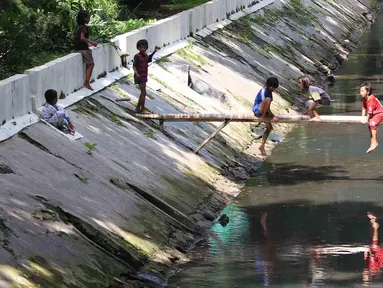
[101,56]
[64,75]
[14,98]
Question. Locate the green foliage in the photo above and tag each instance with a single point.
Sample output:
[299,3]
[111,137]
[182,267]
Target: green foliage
[35,32]
[90,146]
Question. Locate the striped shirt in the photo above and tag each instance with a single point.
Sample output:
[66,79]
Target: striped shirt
[141,63]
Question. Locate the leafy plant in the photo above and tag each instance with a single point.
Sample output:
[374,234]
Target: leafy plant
[90,146]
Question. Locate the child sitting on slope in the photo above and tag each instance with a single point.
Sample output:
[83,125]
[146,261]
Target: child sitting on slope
[55,115]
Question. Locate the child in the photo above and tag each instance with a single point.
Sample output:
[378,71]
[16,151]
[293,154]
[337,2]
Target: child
[316,95]
[55,115]
[374,109]
[140,67]
[261,108]
[373,257]
[81,44]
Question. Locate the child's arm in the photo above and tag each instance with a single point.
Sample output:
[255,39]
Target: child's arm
[365,116]
[135,64]
[154,52]
[84,39]
[55,117]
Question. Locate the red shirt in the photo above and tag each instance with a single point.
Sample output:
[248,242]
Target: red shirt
[375,260]
[372,105]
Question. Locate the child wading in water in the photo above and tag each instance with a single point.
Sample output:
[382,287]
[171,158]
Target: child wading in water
[55,115]
[316,95]
[373,109]
[140,67]
[261,108]
[81,44]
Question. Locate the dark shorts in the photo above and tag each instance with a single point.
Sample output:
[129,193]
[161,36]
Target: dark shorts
[139,82]
[87,56]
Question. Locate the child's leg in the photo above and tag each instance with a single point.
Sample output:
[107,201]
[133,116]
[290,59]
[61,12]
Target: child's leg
[311,109]
[373,123]
[266,134]
[88,75]
[264,107]
[141,101]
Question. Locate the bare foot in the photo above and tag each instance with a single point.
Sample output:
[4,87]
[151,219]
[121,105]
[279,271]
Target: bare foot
[372,148]
[372,217]
[263,151]
[315,119]
[87,86]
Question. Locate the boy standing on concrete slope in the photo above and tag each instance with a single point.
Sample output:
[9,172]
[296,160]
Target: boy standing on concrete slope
[261,108]
[372,112]
[81,44]
[140,67]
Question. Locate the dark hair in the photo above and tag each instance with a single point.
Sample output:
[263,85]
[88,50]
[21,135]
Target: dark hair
[50,95]
[272,82]
[81,16]
[142,42]
[306,82]
[367,86]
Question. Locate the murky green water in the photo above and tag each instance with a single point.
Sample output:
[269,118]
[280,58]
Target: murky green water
[315,189]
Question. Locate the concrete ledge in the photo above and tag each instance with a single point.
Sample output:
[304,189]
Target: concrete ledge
[14,126]
[98,85]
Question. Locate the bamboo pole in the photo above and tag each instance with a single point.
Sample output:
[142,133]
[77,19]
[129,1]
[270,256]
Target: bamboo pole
[292,119]
[208,139]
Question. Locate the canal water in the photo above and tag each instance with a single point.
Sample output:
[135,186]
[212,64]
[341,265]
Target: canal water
[302,222]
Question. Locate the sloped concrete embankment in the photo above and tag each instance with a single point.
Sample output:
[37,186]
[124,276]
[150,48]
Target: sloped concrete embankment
[73,216]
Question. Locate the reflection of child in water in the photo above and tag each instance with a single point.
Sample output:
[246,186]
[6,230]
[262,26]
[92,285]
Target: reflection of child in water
[373,258]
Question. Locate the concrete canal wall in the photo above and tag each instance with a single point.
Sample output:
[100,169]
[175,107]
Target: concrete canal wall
[128,209]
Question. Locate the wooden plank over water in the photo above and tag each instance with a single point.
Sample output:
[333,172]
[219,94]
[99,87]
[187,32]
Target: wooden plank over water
[286,118]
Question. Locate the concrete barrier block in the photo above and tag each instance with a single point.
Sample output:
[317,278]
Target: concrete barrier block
[154,37]
[197,21]
[185,24]
[101,60]
[77,76]
[14,97]
[176,23]
[208,13]
[230,6]
[114,56]
[64,74]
